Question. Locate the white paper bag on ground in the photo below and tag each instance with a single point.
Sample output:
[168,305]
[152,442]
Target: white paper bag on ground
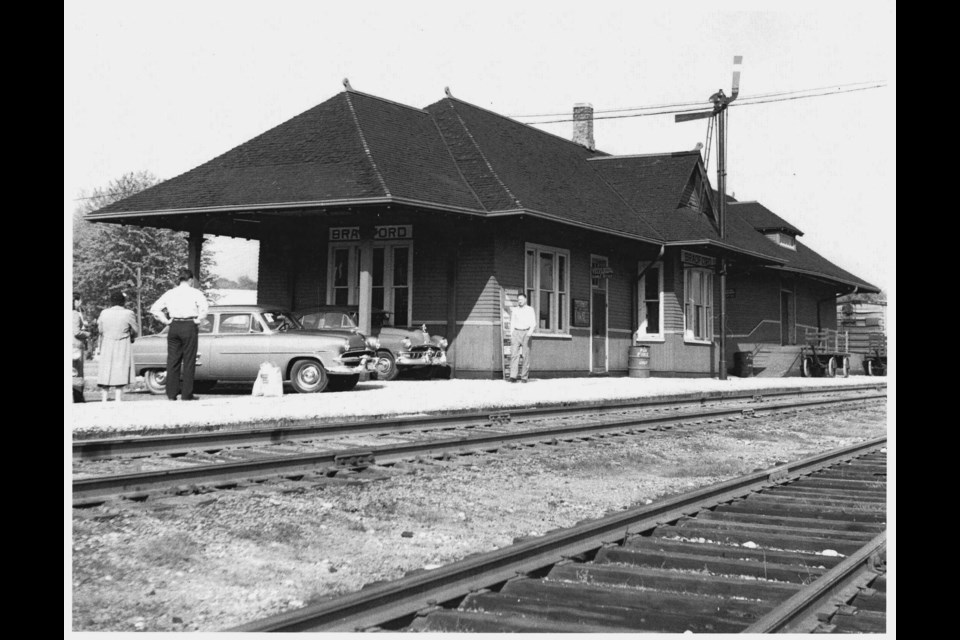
[269,382]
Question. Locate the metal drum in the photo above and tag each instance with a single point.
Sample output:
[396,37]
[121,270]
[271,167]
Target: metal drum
[638,364]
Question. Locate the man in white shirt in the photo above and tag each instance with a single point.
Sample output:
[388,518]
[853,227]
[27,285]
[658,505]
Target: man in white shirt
[523,320]
[182,309]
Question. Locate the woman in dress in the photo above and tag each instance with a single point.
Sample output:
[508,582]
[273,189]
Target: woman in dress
[118,327]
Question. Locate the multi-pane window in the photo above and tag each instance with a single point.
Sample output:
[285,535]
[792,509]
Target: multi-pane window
[547,278]
[698,306]
[651,304]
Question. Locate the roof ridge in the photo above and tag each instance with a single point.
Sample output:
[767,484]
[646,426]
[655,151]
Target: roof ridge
[453,159]
[751,202]
[366,147]
[482,155]
[669,154]
[619,195]
[529,126]
[388,101]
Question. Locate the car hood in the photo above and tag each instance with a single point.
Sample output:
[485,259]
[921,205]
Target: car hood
[357,339]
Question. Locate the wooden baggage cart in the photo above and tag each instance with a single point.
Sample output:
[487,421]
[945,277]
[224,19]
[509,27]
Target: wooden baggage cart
[825,353]
[875,362]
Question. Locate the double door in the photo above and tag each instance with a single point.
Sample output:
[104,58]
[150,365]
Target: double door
[391,278]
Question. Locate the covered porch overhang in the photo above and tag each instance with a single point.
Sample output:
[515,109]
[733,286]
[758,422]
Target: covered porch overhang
[295,220]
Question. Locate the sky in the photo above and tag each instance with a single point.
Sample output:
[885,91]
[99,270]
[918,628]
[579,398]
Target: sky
[166,87]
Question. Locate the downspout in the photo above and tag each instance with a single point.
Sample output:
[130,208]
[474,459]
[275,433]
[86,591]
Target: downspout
[633,293]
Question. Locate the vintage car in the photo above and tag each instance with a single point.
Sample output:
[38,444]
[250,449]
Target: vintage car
[235,340]
[402,349]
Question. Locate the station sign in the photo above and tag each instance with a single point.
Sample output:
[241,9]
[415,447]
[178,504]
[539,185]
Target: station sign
[381,232]
[697,260]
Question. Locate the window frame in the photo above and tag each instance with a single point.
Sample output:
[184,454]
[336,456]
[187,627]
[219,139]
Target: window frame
[642,300]
[690,306]
[559,313]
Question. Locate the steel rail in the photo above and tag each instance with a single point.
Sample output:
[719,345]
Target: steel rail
[282,431]
[132,485]
[377,605]
[800,612]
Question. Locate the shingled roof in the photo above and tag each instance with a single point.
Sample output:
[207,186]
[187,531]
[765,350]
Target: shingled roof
[511,165]
[351,148]
[360,149]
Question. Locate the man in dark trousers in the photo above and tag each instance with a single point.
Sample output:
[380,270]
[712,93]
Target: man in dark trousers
[182,309]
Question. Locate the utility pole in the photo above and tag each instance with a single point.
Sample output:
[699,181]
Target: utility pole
[720,103]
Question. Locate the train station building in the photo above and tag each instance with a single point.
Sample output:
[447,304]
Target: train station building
[439,215]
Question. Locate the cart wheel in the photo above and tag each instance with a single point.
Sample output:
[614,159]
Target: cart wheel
[868,366]
[845,367]
[873,368]
[806,367]
[832,367]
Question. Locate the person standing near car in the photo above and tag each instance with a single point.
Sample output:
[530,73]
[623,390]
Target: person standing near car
[523,320]
[118,327]
[80,334]
[181,309]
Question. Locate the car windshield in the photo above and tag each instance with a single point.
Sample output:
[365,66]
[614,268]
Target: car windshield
[280,320]
[328,320]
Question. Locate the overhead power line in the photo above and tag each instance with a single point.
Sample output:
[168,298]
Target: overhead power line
[773,97]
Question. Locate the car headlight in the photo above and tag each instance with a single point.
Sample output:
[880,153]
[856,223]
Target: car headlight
[406,343]
[443,343]
[345,345]
[373,343]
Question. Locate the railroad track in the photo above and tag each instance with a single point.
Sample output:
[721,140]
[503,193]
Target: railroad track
[197,475]
[283,431]
[797,548]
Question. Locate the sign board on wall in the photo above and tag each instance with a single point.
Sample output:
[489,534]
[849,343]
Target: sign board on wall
[697,260]
[508,300]
[382,232]
[581,313]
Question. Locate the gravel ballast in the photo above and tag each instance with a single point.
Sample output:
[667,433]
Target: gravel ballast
[212,561]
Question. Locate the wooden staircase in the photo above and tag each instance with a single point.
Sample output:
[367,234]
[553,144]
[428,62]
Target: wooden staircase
[775,361]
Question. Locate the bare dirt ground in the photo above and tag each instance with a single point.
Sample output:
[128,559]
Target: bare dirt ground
[209,562]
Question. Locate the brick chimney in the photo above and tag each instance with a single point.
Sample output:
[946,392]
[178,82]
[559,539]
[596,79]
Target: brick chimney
[583,124]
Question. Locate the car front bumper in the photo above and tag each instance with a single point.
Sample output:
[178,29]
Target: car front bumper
[352,363]
[431,357]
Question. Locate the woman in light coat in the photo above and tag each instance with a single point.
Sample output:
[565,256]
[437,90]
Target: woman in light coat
[118,327]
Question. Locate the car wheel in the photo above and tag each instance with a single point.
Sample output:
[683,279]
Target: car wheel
[155,381]
[308,376]
[386,366]
[343,383]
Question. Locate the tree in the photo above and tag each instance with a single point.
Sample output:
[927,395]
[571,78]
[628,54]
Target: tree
[106,256]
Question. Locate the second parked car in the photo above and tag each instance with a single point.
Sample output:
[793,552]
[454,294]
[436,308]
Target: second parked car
[402,349]
[235,340]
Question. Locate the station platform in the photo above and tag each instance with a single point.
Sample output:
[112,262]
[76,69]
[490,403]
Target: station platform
[398,398]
